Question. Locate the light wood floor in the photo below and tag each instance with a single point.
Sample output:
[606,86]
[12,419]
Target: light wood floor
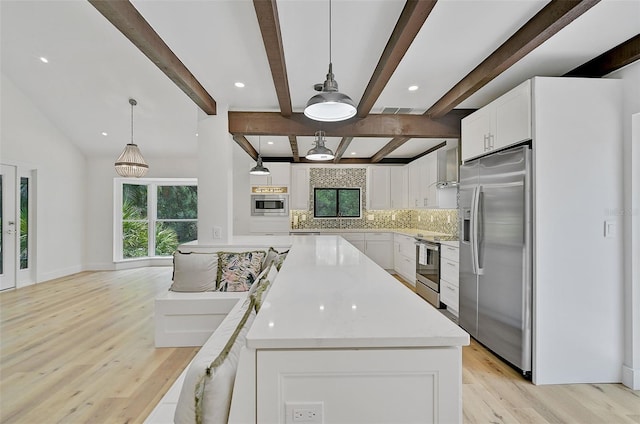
[80,350]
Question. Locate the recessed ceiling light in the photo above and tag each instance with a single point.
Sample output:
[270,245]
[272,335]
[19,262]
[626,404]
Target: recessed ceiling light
[104,133]
[269,142]
[44,59]
[413,88]
[353,153]
[239,84]
[197,134]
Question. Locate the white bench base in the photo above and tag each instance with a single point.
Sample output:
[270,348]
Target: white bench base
[189,319]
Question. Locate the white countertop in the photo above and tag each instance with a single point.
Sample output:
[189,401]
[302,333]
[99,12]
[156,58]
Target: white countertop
[330,295]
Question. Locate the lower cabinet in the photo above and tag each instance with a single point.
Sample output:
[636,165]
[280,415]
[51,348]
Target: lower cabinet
[404,258]
[377,246]
[449,276]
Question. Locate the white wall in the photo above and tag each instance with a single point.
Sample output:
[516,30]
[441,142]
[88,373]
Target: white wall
[242,163]
[30,140]
[99,222]
[630,215]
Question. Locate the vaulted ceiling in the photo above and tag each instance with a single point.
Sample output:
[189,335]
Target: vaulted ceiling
[179,59]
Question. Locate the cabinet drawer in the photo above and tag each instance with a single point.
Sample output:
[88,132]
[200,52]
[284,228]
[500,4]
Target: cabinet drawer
[378,236]
[353,236]
[449,294]
[449,270]
[449,252]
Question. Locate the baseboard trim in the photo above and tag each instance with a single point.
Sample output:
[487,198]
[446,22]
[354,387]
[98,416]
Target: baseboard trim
[52,275]
[631,377]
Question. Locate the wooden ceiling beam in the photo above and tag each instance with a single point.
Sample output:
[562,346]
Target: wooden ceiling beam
[293,141]
[345,161]
[426,152]
[126,18]
[413,16]
[246,146]
[342,147]
[388,148]
[267,14]
[378,125]
[556,15]
[609,61]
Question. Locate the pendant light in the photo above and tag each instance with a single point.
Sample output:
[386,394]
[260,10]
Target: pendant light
[320,152]
[329,105]
[130,163]
[259,169]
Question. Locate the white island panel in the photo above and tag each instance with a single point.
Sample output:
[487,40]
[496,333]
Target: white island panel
[328,294]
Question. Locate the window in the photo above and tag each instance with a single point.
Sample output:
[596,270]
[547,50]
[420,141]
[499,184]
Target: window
[154,216]
[24,223]
[336,202]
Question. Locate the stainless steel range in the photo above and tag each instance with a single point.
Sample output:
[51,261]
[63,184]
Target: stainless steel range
[428,271]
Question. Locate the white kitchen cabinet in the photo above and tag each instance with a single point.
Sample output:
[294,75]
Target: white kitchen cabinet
[404,256]
[357,239]
[423,176]
[501,123]
[280,175]
[378,187]
[399,183]
[379,247]
[431,164]
[299,197]
[449,275]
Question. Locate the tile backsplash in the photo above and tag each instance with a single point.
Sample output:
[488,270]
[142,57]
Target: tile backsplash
[438,220]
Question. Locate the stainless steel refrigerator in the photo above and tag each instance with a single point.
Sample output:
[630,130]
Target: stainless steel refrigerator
[495,211]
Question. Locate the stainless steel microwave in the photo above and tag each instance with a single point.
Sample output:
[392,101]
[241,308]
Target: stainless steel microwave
[269,205]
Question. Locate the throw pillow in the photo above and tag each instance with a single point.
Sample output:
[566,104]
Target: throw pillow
[194,272]
[237,271]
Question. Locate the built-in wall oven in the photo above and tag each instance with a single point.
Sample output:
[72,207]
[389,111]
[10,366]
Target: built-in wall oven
[428,271]
[269,205]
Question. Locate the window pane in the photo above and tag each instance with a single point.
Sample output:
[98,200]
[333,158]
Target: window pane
[169,234]
[349,202]
[135,239]
[24,223]
[325,202]
[134,201]
[177,202]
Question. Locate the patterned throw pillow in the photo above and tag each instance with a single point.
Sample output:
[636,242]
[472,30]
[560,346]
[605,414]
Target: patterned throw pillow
[280,259]
[237,271]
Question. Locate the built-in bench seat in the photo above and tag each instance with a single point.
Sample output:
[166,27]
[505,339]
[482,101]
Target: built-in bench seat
[217,321]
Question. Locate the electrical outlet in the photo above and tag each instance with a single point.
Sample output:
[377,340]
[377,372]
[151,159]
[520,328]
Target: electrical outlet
[304,217]
[370,217]
[217,232]
[419,218]
[304,412]
[448,219]
[431,218]
[295,220]
[393,217]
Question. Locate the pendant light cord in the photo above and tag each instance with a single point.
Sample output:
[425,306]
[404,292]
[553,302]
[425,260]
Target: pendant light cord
[329,31]
[131,123]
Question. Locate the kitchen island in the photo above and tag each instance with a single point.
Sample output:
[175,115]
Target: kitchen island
[338,337]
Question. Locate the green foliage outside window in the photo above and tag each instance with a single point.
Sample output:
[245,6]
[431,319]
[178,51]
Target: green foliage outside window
[336,202]
[175,223]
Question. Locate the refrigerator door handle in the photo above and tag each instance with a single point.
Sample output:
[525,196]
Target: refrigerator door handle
[472,231]
[475,244]
[479,227]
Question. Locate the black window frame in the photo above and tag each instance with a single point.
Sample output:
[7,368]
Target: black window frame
[337,190]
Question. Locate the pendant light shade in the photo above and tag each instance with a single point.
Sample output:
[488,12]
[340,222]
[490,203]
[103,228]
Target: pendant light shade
[130,163]
[259,169]
[320,152]
[329,105]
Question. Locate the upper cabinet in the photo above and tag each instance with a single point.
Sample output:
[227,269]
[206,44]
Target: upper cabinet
[398,186]
[378,187]
[423,176]
[501,123]
[299,197]
[280,175]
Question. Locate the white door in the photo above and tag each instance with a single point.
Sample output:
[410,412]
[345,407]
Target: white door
[8,230]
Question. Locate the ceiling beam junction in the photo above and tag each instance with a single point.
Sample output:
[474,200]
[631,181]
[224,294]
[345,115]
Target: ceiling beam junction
[126,18]
[246,146]
[342,147]
[293,141]
[556,15]
[413,16]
